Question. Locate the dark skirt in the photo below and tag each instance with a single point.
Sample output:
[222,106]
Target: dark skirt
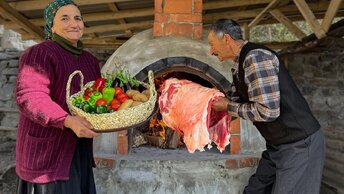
[81,180]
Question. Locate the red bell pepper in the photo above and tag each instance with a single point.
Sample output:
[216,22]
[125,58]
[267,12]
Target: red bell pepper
[89,91]
[99,84]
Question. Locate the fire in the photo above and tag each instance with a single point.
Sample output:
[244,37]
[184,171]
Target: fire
[158,127]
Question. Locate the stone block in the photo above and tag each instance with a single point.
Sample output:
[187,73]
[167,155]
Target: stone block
[10,120]
[10,71]
[6,92]
[12,79]
[3,64]
[13,63]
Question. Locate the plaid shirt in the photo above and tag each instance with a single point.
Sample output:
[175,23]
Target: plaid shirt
[261,68]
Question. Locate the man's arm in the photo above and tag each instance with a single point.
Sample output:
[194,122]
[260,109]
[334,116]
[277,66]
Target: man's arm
[261,77]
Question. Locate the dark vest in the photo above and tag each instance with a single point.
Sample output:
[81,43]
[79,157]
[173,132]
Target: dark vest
[295,121]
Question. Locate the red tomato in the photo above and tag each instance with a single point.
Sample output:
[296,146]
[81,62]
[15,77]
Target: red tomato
[118,91]
[86,97]
[115,101]
[122,97]
[115,106]
[101,101]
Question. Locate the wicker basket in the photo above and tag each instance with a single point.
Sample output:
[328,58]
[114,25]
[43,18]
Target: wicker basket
[119,119]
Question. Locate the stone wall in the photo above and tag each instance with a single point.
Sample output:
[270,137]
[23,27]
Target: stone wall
[319,73]
[11,39]
[8,118]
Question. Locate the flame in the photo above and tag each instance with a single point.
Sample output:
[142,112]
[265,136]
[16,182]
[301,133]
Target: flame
[158,127]
[163,131]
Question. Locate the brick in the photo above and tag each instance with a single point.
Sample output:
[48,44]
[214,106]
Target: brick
[157,29]
[158,6]
[160,18]
[178,6]
[102,162]
[198,6]
[235,126]
[196,18]
[122,133]
[231,164]
[197,32]
[174,29]
[235,144]
[248,162]
[122,143]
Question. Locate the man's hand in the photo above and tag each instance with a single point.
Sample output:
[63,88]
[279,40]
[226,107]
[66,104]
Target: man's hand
[220,104]
[80,126]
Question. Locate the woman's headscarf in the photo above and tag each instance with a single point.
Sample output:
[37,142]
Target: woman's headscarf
[49,14]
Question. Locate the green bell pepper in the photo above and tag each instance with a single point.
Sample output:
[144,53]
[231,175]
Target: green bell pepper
[108,92]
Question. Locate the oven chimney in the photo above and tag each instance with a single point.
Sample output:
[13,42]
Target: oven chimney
[178,18]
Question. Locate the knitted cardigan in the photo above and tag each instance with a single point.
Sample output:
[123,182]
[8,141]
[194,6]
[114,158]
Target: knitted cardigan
[45,148]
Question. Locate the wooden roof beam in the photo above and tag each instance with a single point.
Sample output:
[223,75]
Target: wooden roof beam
[113,7]
[260,16]
[118,27]
[287,23]
[292,18]
[278,45]
[8,12]
[246,31]
[150,12]
[41,4]
[232,3]
[93,17]
[310,18]
[330,13]
[103,41]
[211,17]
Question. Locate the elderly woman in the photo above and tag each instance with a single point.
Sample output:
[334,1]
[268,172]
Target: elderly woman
[54,149]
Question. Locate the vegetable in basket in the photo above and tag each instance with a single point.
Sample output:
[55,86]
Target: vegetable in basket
[124,80]
[88,92]
[101,102]
[77,101]
[99,84]
[115,104]
[108,91]
[101,109]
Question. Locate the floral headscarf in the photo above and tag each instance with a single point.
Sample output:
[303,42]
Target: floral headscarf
[49,14]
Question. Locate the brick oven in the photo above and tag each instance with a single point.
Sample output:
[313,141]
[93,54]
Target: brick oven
[176,45]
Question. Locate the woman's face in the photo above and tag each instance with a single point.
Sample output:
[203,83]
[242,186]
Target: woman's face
[68,23]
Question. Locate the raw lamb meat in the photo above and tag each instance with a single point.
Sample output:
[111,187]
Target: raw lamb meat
[186,107]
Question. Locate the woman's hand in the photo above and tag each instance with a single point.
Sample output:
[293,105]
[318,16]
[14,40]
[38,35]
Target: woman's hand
[80,126]
[220,104]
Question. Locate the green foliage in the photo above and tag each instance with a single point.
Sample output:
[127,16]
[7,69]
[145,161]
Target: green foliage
[278,32]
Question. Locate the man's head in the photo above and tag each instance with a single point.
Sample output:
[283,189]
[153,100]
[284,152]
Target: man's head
[225,37]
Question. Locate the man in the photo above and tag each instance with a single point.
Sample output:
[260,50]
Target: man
[264,93]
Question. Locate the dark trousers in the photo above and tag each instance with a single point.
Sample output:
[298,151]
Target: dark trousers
[294,168]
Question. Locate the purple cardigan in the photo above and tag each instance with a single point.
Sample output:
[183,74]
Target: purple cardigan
[45,148]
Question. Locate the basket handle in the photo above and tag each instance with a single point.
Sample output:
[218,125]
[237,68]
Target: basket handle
[70,80]
[151,81]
